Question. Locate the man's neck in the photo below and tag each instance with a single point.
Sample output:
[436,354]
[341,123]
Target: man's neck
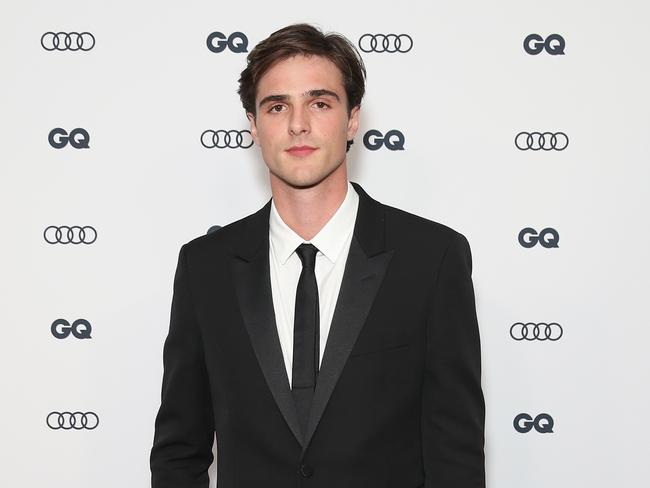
[307,210]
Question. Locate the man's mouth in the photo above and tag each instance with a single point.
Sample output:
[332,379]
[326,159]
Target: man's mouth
[301,150]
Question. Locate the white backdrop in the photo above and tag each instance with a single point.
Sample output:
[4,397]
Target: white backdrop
[149,87]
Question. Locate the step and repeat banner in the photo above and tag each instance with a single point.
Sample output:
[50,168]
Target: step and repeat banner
[523,125]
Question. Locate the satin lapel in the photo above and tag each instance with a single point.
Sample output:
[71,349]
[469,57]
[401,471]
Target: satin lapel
[253,285]
[365,268]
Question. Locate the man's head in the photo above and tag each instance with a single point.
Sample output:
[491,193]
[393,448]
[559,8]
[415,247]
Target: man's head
[305,40]
[302,91]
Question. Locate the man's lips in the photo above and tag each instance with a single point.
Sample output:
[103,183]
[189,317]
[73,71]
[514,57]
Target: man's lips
[301,150]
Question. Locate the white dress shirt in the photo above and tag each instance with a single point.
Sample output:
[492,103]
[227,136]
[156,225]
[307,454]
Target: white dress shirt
[333,243]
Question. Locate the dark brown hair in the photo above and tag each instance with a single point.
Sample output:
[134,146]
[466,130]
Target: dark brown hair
[303,39]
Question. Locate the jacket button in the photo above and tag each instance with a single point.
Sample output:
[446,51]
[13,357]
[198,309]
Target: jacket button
[306,470]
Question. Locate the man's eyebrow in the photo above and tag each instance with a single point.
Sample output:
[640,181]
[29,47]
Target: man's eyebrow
[311,93]
[321,92]
[274,98]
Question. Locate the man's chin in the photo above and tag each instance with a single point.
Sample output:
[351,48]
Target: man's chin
[303,181]
[305,178]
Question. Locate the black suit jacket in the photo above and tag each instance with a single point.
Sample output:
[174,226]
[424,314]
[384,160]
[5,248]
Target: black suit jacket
[398,403]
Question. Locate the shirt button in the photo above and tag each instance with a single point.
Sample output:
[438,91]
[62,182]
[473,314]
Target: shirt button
[306,470]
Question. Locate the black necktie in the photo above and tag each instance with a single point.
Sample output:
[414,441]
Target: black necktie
[306,340]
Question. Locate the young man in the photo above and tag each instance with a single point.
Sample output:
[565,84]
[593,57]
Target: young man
[329,340]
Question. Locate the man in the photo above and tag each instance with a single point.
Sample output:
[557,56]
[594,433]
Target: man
[329,340]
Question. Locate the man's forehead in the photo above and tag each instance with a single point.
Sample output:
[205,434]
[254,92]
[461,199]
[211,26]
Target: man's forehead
[300,76]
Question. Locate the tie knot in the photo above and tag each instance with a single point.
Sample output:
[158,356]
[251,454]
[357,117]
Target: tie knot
[307,254]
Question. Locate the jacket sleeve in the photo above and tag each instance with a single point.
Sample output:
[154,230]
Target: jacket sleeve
[453,408]
[184,427]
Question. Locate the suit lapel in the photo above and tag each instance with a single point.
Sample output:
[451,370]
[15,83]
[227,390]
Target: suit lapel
[365,268]
[253,285]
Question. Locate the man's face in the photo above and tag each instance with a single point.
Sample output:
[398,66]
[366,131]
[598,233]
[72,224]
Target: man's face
[302,124]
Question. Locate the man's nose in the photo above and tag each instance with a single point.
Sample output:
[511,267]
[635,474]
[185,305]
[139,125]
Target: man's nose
[299,122]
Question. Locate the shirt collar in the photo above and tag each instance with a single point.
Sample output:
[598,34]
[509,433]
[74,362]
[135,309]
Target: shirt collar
[329,240]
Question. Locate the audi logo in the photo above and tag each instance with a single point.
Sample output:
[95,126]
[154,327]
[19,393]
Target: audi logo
[78,138]
[536,332]
[70,235]
[237,42]
[67,41]
[553,44]
[80,328]
[545,141]
[385,43]
[543,423]
[393,140]
[547,237]
[222,139]
[72,420]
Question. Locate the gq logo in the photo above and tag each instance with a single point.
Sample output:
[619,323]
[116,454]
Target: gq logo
[553,44]
[393,140]
[543,423]
[237,42]
[547,238]
[78,138]
[80,328]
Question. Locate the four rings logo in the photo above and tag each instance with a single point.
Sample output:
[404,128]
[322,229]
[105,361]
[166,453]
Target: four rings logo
[222,139]
[80,328]
[545,141]
[536,332]
[543,423]
[237,42]
[67,41]
[385,43]
[553,45]
[78,138]
[547,238]
[70,235]
[72,420]
[393,140]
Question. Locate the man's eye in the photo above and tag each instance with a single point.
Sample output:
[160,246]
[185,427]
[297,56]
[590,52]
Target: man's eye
[276,108]
[321,105]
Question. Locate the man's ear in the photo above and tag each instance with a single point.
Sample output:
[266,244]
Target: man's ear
[353,122]
[251,119]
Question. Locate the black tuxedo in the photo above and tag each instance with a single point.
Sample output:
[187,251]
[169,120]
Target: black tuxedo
[398,403]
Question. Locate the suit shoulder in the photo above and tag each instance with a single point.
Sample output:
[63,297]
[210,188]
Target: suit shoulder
[219,238]
[421,236]
[408,223]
